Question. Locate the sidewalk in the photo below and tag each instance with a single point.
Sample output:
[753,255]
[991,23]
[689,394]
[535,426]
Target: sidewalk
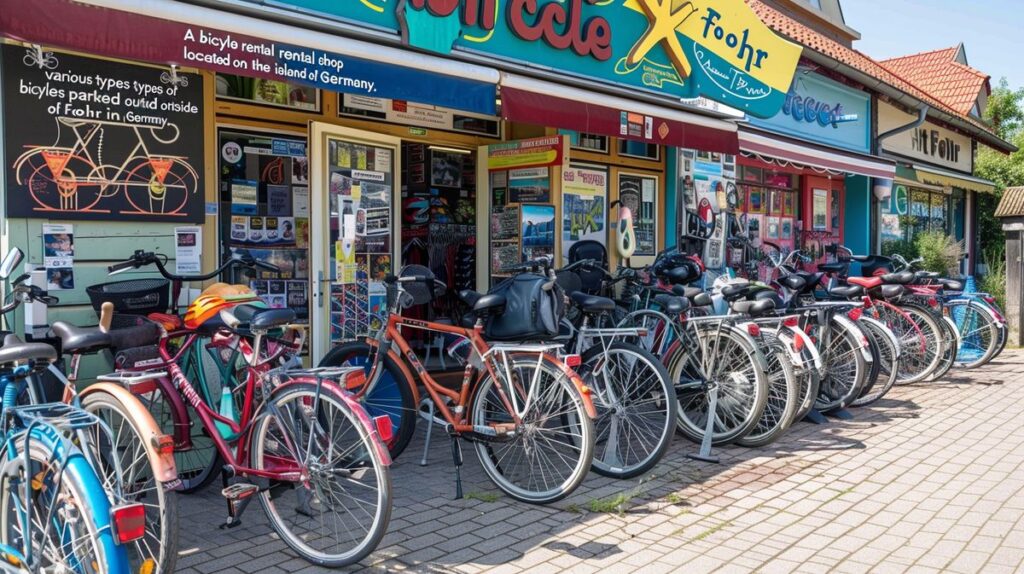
[929,479]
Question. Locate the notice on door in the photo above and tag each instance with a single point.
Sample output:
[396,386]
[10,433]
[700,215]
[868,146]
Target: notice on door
[97,140]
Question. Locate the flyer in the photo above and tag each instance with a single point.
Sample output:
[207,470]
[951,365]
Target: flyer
[278,202]
[300,201]
[244,193]
[188,250]
[59,256]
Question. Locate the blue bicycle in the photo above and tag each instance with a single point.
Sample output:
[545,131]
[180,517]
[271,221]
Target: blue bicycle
[55,515]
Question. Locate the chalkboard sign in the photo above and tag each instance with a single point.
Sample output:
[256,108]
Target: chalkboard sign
[98,140]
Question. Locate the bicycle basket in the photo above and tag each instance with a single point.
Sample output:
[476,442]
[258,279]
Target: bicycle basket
[135,296]
[421,292]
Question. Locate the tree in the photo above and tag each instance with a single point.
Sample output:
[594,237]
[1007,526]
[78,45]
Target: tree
[1005,112]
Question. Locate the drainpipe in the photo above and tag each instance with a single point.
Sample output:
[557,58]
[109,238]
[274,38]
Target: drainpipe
[922,115]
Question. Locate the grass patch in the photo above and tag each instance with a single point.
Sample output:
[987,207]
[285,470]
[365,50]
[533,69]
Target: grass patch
[673,498]
[616,504]
[840,493]
[483,496]
[711,531]
[573,508]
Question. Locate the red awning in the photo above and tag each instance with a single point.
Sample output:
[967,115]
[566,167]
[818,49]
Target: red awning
[801,154]
[548,104]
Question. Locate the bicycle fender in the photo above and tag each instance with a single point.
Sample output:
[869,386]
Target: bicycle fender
[798,334]
[352,403]
[162,464]
[402,366]
[862,340]
[955,330]
[788,344]
[588,401]
[888,334]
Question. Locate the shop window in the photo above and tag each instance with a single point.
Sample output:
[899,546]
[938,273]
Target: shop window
[637,149]
[265,92]
[413,114]
[264,210]
[586,142]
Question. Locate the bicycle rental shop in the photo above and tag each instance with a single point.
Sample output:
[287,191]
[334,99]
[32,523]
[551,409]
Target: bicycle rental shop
[343,143]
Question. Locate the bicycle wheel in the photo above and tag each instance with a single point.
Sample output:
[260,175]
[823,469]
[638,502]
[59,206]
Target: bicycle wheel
[979,333]
[844,367]
[79,537]
[732,363]
[887,358]
[919,336]
[949,347]
[636,408]
[157,551]
[550,452]
[783,394]
[659,331]
[392,394]
[339,514]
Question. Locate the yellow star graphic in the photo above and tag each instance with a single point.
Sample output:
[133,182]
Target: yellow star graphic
[662,20]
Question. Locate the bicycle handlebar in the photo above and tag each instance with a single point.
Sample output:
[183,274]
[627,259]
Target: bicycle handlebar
[143,258]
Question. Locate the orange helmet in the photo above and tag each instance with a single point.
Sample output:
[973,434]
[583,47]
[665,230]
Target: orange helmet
[204,308]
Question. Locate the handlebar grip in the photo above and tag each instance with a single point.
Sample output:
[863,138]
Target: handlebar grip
[122,266]
[106,316]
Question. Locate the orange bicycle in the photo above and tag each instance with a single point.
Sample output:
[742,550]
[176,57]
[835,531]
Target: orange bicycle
[527,413]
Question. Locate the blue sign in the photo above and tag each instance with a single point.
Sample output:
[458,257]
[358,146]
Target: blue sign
[823,111]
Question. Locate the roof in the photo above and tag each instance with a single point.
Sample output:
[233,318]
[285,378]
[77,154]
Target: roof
[820,43]
[940,74]
[1012,203]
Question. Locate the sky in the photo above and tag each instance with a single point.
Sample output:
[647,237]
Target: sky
[989,29]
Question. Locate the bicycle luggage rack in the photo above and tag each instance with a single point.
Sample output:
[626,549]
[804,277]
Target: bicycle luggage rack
[134,381]
[61,416]
[331,373]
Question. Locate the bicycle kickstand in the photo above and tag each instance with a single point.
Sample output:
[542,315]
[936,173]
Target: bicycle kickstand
[457,459]
[429,417]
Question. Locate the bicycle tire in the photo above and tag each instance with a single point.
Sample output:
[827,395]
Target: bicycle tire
[652,388]
[835,393]
[83,492]
[782,397]
[920,352]
[888,360]
[949,348]
[488,409]
[391,396]
[353,468]
[749,381]
[161,524]
[967,355]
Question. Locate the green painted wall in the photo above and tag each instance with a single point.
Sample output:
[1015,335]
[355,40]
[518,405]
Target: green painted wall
[858,214]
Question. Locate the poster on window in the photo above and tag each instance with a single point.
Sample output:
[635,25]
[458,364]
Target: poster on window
[538,231]
[638,193]
[91,139]
[59,256]
[819,210]
[584,207]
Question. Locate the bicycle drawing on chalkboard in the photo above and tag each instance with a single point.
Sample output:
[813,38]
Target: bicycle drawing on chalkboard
[76,179]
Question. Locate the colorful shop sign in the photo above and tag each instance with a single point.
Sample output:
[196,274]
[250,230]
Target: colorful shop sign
[545,151]
[823,111]
[929,142]
[719,49]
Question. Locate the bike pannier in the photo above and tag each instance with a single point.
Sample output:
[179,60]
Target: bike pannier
[531,313]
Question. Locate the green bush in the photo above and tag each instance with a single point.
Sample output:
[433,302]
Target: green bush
[994,282]
[939,252]
[902,247]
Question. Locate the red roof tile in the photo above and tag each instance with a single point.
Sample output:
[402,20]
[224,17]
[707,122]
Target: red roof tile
[822,44]
[938,73]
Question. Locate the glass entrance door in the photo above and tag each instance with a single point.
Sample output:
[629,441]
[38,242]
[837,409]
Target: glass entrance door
[354,231]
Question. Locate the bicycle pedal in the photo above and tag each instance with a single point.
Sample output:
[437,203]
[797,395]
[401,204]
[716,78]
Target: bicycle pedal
[239,490]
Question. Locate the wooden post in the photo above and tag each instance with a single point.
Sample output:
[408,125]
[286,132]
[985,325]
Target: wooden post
[1014,264]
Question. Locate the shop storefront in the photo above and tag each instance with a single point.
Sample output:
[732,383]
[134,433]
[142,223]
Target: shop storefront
[340,160]
[934,189]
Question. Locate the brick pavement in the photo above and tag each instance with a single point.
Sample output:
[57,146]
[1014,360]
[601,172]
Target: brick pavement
[929,479]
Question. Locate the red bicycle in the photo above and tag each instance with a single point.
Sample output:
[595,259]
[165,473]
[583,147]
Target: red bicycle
[300,442]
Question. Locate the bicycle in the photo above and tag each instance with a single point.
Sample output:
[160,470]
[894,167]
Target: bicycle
[55,515]
[529,417]
[129,447]
[61,179]
[316,461]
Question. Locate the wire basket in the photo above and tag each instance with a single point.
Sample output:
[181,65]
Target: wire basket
[135,296]
[422,292]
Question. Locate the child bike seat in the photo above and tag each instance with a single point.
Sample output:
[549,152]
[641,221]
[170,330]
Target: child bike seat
[80,340]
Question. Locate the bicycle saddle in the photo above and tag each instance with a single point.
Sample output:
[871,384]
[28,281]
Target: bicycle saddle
[672,305]
[492,303]
[248,317]
[684,291]
[16,351]
[735,291]
[833,267]
[793,282]
[768,294]
[680,275]
[922,275]
[80,340]
[812,280]
[862,258]
[592,303]
[892,291]
[469,296]
[847,292]
[901,278]
[756,308]
[865,282]
[952,284]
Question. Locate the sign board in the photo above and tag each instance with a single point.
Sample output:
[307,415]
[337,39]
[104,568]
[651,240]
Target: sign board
[92,139]
[719,49]
[415,114]
[929,143]
[820,110]
[547,151]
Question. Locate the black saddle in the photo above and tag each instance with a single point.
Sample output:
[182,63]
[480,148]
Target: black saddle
[672,305]
[847,292]
[757,308]
[735,291]
[833,267]
[254,318]
[17,351]
[793,282]
[952,284]
[892,291]
[901,278]
[920,275]
[592,303]
[81,340]
[680,275]
[487,304]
